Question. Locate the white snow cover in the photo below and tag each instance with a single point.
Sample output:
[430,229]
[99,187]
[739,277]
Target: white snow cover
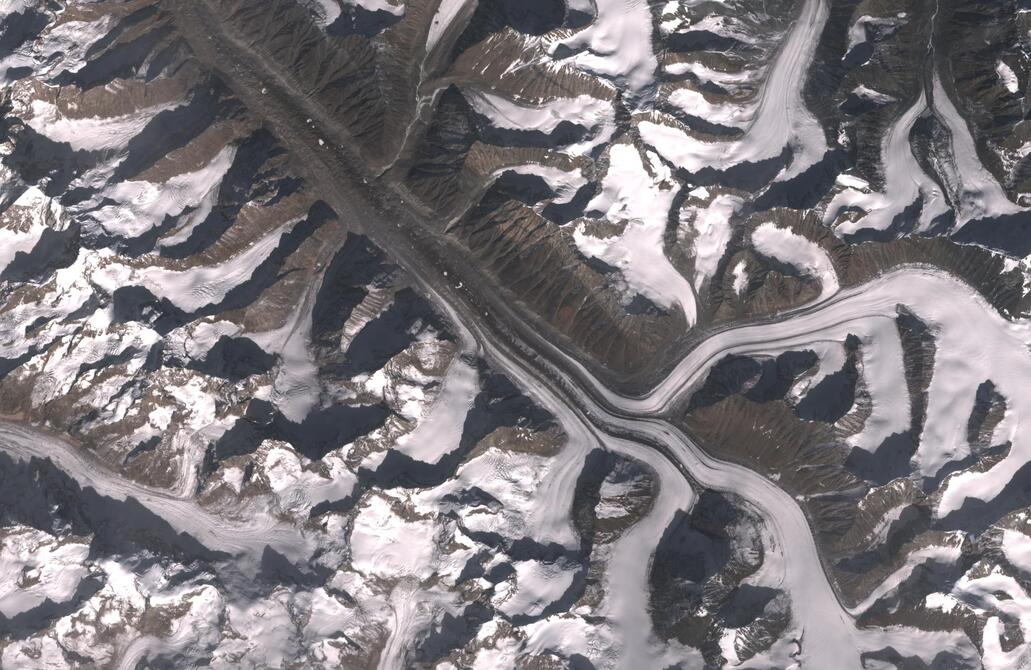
[829,630]
[617,44]
[998,594]
[712,231]
[626,579]
[69,290]
[884,376]
[740,277]
[994,658]
[857,33]
[32,208]
[609,507]
[197,629]
[564,183]
[852,181]
[536,586]
[91,133]
[925,645]
[193,340]
[780,120]
[945,555]
[585,111]
[629,640]
[904,183]
[197,287]
[536,493]
[1016,546]
[268,631]
[439,431]
[64,46]
[804,255]
[1007,77]
[36,566]
[630,194]
[61,369]
[996,350]
[725,114]
[412,610]
[386,545]
[979,193]
[395,7]
[832,356]
[866,93]
[295,387]
[448,12]
[729,81]
[244,539]
[947,306]
[327,11]
[137,206]
[298,489]
[14,6]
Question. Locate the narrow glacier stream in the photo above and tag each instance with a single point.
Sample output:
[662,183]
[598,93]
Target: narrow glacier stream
[904,183]
[825,628]
[782,113]
[924,289]
[828,634]
[245,539]
[779,121]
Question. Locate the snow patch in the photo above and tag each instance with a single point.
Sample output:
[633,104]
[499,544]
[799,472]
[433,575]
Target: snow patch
[1007,77]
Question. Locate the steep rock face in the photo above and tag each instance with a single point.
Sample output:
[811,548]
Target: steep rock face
[703,584]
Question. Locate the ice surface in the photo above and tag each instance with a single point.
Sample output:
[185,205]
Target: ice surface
[781,119]
[1016,546]
[448,12]
[944,555]
[1007,77]
[978,192]
[904,180]
[91,133]
[712,231]
[537,585]
[36,566]
[198,287]
[439,431]
[725,114]
[641,197]
[299,489]
[740,277]
[131,208]
[586,111]
[32,208]
[884,374]
[564,183]
[386,544]
[247,540]
[616,45]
